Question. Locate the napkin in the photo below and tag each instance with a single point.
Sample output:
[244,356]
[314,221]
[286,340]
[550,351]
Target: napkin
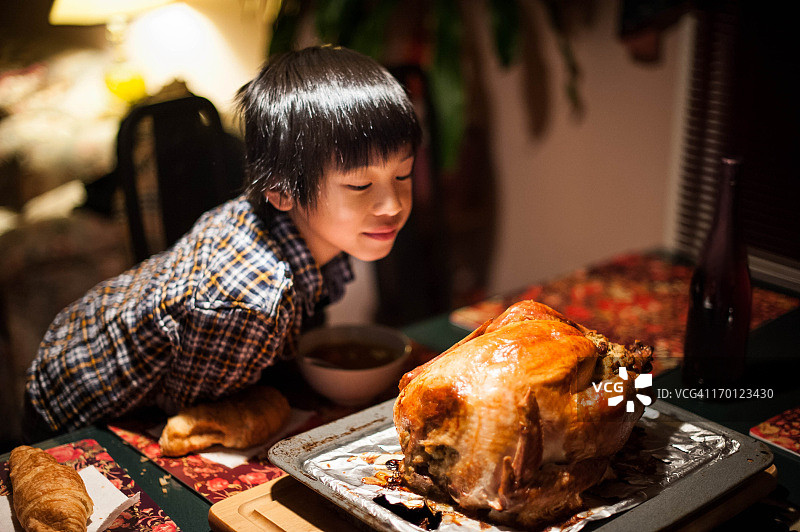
[108,501]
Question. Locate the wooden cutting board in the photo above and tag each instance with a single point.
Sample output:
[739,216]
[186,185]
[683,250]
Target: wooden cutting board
[282,504]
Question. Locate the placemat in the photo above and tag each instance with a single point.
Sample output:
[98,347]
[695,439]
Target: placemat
[637,296]
[212,480]
[144,516]
[782,430]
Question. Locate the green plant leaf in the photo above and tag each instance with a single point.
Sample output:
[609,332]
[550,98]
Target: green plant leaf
[446,80]
[370,36]
[356,24]
[505,26]
[556,17]
[337,20]
[285,27]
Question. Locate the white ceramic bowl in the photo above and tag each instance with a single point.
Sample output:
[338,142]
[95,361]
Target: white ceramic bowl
[385,348]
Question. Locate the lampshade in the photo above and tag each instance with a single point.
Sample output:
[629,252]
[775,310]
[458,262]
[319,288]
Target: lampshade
[95,12]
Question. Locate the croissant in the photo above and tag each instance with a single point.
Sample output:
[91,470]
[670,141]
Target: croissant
[48,496]
[242,420]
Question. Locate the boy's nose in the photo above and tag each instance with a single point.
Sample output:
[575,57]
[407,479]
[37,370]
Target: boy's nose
[389,203]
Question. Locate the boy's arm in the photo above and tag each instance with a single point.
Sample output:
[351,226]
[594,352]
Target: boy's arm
[221,351]
[93,364]
[81,376]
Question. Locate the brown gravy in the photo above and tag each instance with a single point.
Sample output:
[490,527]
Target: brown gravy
[352,355]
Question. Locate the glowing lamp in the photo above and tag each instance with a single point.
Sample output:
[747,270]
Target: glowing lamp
[121,78]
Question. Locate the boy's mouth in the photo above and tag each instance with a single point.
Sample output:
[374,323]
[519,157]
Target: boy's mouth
[382,234]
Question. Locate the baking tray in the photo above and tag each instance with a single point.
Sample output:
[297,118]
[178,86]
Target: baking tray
[706,485]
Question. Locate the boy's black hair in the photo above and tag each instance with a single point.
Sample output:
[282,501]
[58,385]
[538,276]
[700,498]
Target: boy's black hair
[317,108]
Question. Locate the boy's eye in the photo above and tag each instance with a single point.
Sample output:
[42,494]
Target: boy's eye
[358,187]
[403,177]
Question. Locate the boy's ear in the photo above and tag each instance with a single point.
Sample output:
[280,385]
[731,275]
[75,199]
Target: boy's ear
[279,200]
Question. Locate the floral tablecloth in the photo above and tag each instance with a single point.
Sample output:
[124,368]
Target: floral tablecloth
[144,516]
[631,297]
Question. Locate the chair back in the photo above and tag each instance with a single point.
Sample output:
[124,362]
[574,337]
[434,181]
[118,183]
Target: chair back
[174,162]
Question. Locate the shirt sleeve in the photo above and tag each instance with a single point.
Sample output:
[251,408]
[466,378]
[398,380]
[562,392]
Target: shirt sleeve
[87,370]
[220,351]
[96,359]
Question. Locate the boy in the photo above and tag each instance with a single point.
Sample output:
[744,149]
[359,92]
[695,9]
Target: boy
[330,139]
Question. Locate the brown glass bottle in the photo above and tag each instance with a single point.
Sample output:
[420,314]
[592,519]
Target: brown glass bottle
[720,297]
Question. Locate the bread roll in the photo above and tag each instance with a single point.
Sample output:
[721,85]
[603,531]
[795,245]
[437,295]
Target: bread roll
[48,496]
[242,420]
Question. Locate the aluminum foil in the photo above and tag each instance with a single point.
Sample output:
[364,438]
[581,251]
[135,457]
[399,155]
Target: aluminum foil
[661,450]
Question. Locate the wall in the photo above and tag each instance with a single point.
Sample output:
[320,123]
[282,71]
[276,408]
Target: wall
[215,46]
[589,188]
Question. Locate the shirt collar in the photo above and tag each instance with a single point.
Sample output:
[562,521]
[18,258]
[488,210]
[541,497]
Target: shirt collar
[312,283]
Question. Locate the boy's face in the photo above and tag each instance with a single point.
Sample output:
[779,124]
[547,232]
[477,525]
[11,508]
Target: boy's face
[360,211]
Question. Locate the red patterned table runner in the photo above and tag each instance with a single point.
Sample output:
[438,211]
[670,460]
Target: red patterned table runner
[213,481]
[641,297]
[144,516]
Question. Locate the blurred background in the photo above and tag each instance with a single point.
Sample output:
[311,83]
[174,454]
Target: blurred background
[556,137]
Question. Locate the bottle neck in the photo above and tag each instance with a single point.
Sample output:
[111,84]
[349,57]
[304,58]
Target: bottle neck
[728,201]
[726,234]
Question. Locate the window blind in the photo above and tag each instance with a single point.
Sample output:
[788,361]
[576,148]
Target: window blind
[743,102]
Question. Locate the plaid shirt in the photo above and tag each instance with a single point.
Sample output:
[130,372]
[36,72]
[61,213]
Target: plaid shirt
[196,322]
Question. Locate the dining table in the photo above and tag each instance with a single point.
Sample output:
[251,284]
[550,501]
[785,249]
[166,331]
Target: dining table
[634,296]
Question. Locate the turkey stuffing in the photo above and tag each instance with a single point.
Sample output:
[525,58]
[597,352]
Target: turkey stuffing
[514,421]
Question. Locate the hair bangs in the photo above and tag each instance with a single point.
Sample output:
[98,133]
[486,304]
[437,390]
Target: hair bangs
[371,132]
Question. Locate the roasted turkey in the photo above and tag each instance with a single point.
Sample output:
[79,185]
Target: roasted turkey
[514,421]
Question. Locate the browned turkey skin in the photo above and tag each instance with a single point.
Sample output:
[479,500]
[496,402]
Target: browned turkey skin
[508,420]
